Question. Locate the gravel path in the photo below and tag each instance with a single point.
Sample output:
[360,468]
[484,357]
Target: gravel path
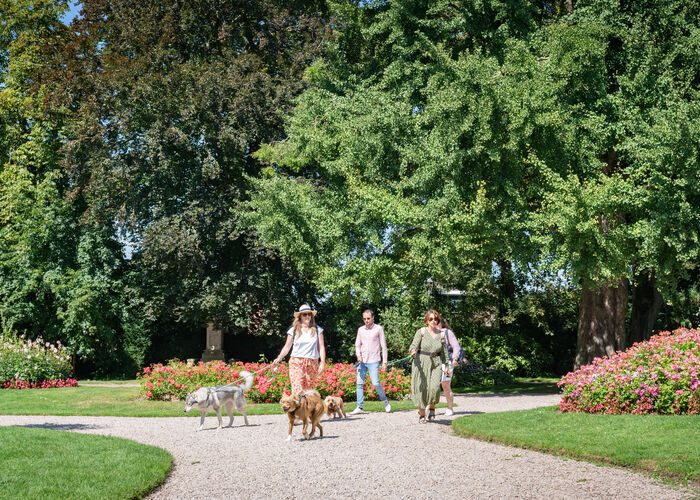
[377,454]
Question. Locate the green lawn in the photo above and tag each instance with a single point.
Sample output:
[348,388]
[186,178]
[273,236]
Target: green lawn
[664,445]
[110,382]
[93,400]
[45,464]
[90,400]
[540,385]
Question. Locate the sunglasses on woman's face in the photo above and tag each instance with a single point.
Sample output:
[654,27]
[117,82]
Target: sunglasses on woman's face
[433,319]
[303,315]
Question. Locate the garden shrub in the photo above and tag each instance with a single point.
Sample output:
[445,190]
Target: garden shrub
[26,363]
[475,374]
[176,379]
[508,351]
[468,374]
[661,375]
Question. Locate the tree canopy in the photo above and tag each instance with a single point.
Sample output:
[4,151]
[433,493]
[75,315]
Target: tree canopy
[165,165]
[526,138]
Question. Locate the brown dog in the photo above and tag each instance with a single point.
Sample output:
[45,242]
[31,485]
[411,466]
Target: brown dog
[335,407]
[305,406]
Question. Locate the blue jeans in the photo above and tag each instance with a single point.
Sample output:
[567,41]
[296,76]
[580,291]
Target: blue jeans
[374,376]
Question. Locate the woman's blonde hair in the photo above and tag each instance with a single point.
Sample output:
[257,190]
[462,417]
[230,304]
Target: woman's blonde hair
[297,325]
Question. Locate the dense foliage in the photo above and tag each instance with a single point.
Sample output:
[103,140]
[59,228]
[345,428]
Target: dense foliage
[164,165]
[125,145]
[176,379]
[661,375]
[445,139]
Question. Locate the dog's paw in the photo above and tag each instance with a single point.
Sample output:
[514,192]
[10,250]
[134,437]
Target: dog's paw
[289,438]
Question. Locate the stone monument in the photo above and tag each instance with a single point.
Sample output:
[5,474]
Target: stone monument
[215,344]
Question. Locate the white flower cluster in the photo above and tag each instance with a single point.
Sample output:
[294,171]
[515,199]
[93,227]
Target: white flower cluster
[32,360]
[35,348]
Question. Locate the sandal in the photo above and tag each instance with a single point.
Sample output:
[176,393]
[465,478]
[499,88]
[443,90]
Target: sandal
[431,414]
[421,419]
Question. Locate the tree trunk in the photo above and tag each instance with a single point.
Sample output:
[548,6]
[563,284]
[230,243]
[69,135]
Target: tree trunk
[601,326]
[646,304]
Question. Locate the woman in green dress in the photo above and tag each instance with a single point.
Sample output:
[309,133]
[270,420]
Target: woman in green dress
[429,354]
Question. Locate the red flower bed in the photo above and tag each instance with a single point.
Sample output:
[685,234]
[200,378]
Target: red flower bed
[176,379]
[46,384]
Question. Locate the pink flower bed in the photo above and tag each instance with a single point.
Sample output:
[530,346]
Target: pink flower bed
[46,384]
[176,379]
[661,375]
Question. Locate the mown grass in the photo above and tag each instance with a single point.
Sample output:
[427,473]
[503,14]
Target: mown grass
[109,381]
[45,464]
[90,400]
[664,445]
[541,385]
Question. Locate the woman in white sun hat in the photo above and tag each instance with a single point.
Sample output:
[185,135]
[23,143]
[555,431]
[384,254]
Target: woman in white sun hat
[305,339]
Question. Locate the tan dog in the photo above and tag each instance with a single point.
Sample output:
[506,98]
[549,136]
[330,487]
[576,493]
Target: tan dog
[306,406]
[335,407]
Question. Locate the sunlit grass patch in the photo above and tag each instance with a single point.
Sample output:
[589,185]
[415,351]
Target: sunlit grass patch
[663,445]
[44,464]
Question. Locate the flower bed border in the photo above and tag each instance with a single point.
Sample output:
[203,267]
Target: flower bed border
[174,380]
[45,384]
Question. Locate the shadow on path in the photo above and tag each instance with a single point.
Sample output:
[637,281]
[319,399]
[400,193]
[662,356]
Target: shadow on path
[63,427]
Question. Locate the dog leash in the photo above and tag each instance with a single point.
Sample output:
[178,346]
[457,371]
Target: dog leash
[399,360]
[388,364]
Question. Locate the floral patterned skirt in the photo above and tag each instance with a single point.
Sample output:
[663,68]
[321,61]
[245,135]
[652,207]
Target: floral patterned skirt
[302,373]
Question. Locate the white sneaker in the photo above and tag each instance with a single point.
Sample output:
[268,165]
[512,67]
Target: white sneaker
[387,408]
[357,411]
[449,412]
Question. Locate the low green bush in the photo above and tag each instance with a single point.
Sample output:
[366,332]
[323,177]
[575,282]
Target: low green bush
[508,351]
[476,374]
[31,361]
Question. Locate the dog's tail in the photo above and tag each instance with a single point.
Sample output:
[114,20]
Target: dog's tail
[248,380]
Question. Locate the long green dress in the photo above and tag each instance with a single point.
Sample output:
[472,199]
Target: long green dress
[426,373]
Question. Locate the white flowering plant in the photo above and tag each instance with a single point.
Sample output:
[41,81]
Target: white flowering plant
[31,361]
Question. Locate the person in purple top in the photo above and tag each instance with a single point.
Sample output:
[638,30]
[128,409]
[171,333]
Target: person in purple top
[370,340]
[453,350]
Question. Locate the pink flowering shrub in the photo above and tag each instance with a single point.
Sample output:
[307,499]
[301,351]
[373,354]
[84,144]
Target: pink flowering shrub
[661,375]
[176,379]
[26,363]
[46,384]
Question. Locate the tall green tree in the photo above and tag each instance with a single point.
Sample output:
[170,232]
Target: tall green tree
[399,164]
[636,217]
[58,275]
[167,101]
[32,214]
[443,136]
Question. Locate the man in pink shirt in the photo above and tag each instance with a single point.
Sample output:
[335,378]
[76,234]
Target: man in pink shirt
[370,338]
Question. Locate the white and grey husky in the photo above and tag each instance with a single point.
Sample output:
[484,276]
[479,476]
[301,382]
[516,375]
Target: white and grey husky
[214,398]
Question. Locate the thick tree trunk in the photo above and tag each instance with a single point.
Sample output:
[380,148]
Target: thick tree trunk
[646,304]
[601,326]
